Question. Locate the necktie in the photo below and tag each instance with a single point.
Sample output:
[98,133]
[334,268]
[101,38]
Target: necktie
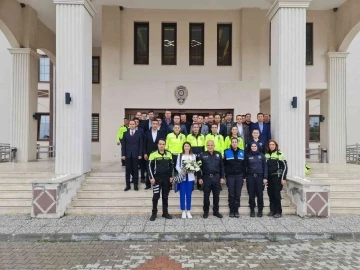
[132,133]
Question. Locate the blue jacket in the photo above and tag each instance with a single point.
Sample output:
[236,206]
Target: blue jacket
[261,146]
[234,162]
[131,146]
[256,164]
[265,135]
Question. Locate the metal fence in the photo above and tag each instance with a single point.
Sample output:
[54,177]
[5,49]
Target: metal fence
[48,150]
[310,152]
[5,152]
[353,153]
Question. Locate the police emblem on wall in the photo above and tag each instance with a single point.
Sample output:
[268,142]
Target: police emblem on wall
[181,94]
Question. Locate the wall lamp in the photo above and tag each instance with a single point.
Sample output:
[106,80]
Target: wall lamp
[67,98]
[36,116]
[321,118]
[294,102]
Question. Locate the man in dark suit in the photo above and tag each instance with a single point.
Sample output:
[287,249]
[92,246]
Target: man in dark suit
[185,122]
[147,123]
[141,163]
[166,121]
[243,130]
[248,120]
[221,127]
[131,149]
[265,133]
[151,144]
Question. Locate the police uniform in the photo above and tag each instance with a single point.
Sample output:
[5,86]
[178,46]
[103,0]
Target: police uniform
[256,172]
[212,170]
[261,146]
[234,163]
[174,143]
[119,136]
[277,168]
[227,143]
[161,169]
[197,143]
[218,142]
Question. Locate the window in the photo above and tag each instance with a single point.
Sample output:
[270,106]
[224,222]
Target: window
[309,44]
[196,44]
[168,52]
[224,46]
[141,43]
[95,124]
[314,126]
[44,69]
[43,133]
[96,69]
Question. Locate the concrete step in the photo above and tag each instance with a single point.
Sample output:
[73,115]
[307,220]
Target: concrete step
[15,202]
[15,195]
[345,210]
[107,174]
[174,210]
[6,210]
[338,181]
[147,202]
[347,187]
[13,187]
[9,180]
[344,194]
[84,194]
[344,202]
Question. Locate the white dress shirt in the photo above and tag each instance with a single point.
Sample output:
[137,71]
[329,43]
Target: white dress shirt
[154,133]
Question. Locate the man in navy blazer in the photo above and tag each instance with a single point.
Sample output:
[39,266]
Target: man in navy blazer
[131,150]
[265,132]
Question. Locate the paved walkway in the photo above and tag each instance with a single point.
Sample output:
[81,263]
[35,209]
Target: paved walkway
[140,224]
[320,254]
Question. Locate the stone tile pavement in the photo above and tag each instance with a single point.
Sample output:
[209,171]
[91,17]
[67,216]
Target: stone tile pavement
[106,255]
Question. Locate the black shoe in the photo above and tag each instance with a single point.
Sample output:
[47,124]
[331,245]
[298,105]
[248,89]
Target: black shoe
[218,215]
[237,215]
[260,213]
[205,215]
[171,188]
[127,188]
[252,213]
[136,188]
[153,217]
[147,188]
[271,214]
[142,181]
[166,215]
[277,215]
[232,214]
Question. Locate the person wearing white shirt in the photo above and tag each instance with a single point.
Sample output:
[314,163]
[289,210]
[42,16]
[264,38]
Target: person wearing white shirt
[186,186]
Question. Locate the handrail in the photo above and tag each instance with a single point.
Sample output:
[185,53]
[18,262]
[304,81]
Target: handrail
[5,152]
[49,150]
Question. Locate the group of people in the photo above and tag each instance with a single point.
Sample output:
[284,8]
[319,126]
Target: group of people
[235,153]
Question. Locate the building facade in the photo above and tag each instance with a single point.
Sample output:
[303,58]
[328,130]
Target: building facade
[242,56]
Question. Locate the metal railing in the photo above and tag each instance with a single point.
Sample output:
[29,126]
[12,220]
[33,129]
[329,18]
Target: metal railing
[48,150]
[309,152]
[5,152]
[353,153]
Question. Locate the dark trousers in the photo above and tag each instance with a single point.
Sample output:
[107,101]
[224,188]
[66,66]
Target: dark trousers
[162,184]
[142,163]
[131,165]
[255,186]
[211,184]
[174,158]
[234,183]
[274,192]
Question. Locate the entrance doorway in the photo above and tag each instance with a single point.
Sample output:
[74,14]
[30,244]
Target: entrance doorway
[130,113]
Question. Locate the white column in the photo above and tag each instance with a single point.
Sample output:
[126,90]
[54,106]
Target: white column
[73,75]
[23,134]
[337,107]
[288,80]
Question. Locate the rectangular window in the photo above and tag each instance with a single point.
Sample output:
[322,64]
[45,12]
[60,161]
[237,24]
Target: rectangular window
[314,126]
[44,69]
[309,44]
[43,133]
[224,46]
[96,69]
[169,46]
[141,43]
[95,125]
[196,44]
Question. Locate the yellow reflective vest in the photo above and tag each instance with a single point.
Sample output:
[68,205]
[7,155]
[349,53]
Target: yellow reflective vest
[218,142]
[174,143]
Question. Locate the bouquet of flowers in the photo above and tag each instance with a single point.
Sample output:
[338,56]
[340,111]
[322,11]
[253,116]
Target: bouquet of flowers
[188,166]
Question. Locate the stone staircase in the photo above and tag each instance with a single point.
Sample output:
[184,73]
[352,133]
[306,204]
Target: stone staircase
[344,191]
[102,193]
[16,191]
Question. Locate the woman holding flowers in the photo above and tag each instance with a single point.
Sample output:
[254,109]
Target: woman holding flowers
[186,166]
